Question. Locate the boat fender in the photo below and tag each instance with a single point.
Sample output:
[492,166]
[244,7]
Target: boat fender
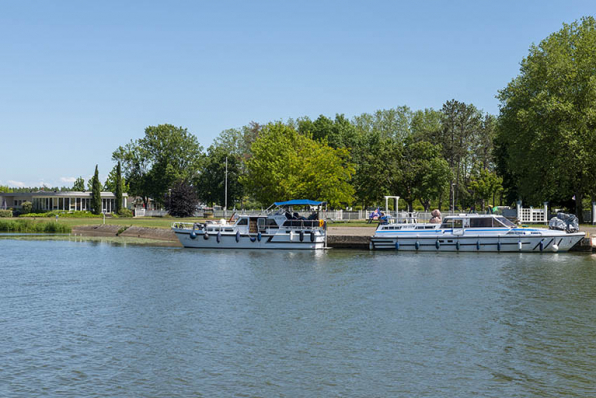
[301,236]
[193,235]
[457,245]
[541,245]
[555,248]
[259,236]
[498,246]
[253,239]
[437,244]
[321,223]
[237,236]
[206,236]
[312,236]
[417,245]
[219,237]
[519,245]
[477,245]
[396,245]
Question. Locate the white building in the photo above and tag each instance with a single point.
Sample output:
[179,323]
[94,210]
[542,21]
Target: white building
[59,200]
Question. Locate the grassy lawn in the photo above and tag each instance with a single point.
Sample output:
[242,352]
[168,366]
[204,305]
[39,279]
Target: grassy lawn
[150,222]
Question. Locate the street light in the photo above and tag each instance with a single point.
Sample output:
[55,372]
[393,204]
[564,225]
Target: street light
[453,197]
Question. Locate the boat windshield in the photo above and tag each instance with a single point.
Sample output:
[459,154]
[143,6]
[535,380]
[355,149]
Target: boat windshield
[506,222]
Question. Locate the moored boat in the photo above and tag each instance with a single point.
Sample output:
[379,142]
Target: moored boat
[473,233]
[279,227]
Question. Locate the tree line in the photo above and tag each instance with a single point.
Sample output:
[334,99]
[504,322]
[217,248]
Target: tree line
[540,147]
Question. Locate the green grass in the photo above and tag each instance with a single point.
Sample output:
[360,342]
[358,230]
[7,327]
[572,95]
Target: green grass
[150,222]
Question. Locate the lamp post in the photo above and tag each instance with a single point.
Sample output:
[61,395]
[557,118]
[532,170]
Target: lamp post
[453,197]
[226,192]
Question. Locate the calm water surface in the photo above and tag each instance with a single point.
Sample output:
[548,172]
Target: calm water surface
[98,319]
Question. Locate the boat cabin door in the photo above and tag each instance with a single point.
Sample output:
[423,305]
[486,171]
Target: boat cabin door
[252,225]
[261,224]
[458,227]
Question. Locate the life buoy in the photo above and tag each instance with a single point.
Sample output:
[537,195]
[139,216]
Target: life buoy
[301,236]
[237,236]
[218,237]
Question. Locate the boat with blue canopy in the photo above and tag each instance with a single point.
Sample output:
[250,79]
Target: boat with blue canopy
[293,224]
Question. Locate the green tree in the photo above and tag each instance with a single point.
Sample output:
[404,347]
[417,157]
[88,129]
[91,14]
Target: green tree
[211,181]
[389,123]
[485,184]
[153,163]
[96,207]
[338,133]
[111,183]
[423,174]
[547,124]
[287,165]
[461,124]
[79,185]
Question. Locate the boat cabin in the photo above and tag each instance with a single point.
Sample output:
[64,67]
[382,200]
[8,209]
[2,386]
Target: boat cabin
[476,221]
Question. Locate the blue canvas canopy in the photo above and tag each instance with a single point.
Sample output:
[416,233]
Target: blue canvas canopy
[298,202]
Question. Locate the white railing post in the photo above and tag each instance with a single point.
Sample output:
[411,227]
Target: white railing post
[593,213]
[519,210]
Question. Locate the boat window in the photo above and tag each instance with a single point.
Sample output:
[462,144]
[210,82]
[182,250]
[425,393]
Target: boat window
[452,223]
[229,230]
[506,222]
[243,221]
[481,222]
[271,223]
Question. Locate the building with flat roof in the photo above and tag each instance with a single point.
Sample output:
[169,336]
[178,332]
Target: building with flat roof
[43,201]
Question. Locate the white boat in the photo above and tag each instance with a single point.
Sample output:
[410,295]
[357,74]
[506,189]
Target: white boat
[472,233]
[277,228]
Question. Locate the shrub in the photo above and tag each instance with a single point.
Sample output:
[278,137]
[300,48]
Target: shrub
[5,213]
[125,213]
[33,227]
[64,214]
[26,207]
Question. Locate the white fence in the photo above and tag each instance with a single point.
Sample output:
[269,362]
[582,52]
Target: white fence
[531,215]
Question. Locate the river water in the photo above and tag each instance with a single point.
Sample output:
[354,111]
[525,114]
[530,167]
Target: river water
[98,319]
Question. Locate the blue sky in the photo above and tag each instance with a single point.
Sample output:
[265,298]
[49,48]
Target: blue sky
[78,79]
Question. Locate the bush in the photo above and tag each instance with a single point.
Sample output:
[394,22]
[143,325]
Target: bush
[26,207]
[64,214]
[33,227]
[5,213]
[125,213]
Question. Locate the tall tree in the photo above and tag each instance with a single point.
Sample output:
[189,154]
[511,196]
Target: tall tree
[96,207]
[460,126]
[389,123]
[547,123]
[119,188]
[287,165]
[153,163]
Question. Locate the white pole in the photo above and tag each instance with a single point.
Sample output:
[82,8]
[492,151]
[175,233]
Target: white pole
[546,213]
[593,213]
[226,192]
[104,218]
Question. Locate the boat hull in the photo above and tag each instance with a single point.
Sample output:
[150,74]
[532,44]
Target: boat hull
[479,243]
[251,241]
